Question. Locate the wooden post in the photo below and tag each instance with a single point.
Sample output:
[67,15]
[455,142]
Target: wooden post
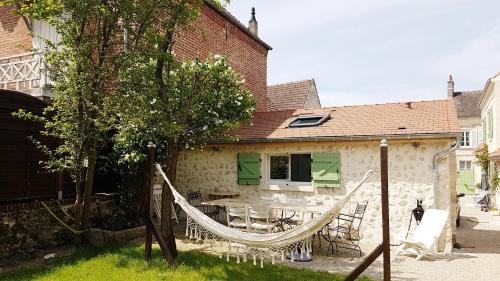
[148,208]
[60,178]
[384,181]
[384,247]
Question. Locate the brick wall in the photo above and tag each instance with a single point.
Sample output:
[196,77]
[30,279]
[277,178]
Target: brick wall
[210,34]
[213,34]
[14,37]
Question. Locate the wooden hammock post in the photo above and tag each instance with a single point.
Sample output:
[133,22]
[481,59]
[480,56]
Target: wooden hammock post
[148,212]
[384,247]
[151,228]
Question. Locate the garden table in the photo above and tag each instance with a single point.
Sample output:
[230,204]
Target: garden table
[290,206]
[222,194]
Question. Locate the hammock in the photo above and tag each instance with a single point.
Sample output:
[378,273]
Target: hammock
[201,227]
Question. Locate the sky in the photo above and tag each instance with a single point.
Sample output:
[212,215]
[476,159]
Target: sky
[377,51]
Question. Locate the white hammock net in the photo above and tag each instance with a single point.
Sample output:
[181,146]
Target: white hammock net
[261,246]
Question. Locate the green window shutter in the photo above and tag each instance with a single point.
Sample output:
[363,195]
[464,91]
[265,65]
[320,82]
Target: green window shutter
[249,168]
[326,169]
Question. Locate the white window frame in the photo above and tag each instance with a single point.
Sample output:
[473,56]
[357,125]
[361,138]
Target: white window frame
[469,162]
[468,143]
[284,185]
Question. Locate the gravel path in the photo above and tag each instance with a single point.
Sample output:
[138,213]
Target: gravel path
[477,260]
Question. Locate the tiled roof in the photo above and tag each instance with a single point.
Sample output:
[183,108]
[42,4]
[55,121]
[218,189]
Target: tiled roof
[396,120]
[467,103]
[287,96]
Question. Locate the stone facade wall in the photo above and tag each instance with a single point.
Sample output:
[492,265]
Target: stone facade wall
[13,33]
[312,100]
[25,231]
[211,34]
[410,177]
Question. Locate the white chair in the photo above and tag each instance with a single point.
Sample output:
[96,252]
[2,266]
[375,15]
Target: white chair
[259,219]
[157,191]
[426,234]
[237,215]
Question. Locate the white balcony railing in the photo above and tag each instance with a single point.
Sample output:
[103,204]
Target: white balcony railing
[24,72]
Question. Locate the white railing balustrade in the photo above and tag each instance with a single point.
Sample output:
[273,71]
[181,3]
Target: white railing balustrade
[22,72]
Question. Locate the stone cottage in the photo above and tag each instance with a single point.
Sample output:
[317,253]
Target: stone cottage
[279,149]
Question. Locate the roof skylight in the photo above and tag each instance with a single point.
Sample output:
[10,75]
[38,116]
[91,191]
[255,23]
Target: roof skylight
[309,120]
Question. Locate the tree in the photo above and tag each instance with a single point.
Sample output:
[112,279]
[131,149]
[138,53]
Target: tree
[177,106]
[483,158]
[83,66]
[202,101]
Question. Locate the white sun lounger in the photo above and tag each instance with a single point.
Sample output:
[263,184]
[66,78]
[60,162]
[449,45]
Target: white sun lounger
[426,234]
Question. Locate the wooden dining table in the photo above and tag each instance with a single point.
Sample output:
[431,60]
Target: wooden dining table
[219,194]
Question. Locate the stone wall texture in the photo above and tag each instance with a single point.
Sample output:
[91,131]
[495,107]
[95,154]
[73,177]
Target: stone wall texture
[410,177]
[313,100]
[25,231]
[14,37]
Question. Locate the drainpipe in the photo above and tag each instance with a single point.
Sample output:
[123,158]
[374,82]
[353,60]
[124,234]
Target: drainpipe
[434,168]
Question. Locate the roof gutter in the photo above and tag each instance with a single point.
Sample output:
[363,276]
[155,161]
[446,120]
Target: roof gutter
[435,168]
[341,138]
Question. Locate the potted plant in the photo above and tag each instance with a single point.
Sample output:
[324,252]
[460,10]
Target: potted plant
[483,160]
[494,181]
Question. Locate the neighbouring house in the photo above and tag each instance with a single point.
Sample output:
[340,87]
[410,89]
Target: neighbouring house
[489,105]
[293,95]
[469,118]
[216,31]
[279,149]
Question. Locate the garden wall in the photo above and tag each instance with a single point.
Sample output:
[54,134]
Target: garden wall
[28,227]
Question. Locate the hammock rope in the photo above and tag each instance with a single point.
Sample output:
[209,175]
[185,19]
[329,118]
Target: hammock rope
[77,232]
[258,245]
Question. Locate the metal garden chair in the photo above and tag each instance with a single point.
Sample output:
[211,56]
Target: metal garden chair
[194,199]
[345,233]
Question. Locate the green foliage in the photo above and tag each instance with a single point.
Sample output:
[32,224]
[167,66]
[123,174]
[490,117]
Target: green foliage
[203,100]
[482,158]
[494,181]
[119,262]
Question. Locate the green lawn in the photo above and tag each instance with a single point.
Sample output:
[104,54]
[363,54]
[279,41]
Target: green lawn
[125,263]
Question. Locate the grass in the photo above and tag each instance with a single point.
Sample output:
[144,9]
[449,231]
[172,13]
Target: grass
[125,263]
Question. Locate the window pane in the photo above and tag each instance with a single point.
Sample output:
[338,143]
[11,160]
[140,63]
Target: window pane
[301,167]
[279,167]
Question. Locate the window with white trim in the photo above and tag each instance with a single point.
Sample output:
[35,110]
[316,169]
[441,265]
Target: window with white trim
[465,142]
[465,165]
[294,167]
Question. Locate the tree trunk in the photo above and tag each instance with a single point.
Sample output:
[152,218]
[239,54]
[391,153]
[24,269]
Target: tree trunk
[167,229]
[87,195]
[78,205]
